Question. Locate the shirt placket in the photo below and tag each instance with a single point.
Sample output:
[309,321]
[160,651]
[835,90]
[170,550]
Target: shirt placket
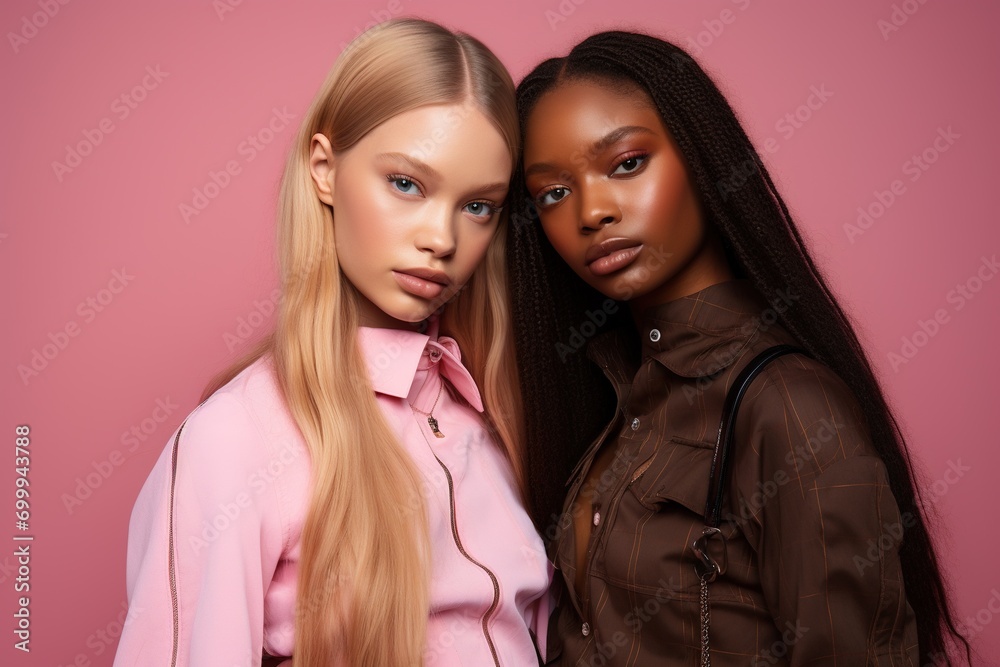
[603,513]
[567,547]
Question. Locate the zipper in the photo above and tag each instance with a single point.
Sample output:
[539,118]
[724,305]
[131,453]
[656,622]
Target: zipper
[170,548]
[172,564]
[461,548]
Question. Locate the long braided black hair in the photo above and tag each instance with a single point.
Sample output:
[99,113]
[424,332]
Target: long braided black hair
[740,202]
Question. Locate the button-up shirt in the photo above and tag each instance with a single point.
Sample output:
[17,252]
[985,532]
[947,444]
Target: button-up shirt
[215,534]
[813,574]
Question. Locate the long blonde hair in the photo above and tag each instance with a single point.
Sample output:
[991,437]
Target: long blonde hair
[364,572]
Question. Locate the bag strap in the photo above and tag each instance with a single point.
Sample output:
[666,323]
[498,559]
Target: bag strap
[706,566]
[719,474]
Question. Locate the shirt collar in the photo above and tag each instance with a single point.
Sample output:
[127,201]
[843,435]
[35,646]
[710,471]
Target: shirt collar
[393,357]
[696,335]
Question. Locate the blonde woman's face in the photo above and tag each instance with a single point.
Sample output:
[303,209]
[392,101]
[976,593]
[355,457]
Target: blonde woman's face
[415,205]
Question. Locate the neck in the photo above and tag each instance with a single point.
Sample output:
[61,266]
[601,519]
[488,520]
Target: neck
[708,267]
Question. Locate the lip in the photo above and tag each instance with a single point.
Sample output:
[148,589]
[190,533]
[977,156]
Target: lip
[422,282]
[611,255]
[608,246]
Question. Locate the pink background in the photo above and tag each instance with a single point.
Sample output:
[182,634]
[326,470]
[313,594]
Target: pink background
[161,337]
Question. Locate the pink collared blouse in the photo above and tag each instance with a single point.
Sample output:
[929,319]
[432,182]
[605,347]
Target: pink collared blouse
[215,534]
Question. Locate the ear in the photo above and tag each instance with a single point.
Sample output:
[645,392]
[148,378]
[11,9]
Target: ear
[321,167]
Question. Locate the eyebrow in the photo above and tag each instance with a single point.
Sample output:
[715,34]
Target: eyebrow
[412,162]
[427,170]
[611,137]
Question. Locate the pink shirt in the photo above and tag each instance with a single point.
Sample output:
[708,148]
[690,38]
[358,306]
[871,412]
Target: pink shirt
[228,497]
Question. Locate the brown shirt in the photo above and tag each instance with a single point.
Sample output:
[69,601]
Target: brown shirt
[812,527]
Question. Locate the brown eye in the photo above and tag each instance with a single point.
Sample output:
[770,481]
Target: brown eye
[552,196]
[629,165]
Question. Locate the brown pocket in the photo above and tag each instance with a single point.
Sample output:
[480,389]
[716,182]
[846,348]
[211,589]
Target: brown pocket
[677,473]
[647,550]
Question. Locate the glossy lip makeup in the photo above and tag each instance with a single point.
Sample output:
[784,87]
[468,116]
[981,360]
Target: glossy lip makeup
[425,283]
[612,255]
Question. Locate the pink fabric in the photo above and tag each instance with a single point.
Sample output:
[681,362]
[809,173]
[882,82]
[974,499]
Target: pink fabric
[240,498]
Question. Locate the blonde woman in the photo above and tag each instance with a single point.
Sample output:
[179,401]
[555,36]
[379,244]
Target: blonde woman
[352,491]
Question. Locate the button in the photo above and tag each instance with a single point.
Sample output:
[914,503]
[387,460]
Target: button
[635,423]
[597,518]
[654,335]
[585,629]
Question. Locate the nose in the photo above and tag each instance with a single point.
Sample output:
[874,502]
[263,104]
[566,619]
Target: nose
[436,234]
[598,206]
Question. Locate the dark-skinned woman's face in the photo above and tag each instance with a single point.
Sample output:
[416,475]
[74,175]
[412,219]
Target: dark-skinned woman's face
[613,195]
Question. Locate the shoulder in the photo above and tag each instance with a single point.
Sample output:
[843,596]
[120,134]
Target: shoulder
[243,426]
[799,412]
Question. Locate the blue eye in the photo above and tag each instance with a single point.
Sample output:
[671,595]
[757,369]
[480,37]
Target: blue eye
[630,164]
[550,197]
[403,184]
[482,209]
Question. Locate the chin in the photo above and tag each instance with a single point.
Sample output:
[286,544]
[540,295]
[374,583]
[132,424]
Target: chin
[409,312]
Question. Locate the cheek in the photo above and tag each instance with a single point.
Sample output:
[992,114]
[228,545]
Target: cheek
[666,211]
[473,247]
[363,224]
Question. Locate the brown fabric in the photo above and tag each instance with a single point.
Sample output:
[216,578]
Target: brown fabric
[812,527]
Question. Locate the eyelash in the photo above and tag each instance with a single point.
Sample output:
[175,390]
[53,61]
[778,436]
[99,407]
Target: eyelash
[403,177]
[493,206]
[634,155]
[541,195]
